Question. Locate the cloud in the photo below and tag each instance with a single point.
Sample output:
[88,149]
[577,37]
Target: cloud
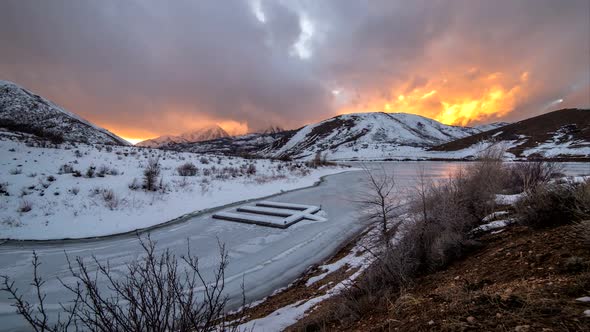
[146,68]
[128,62]
[474,54]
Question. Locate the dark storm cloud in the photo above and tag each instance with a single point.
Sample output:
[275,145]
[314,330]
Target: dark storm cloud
[132,60]
[163,66]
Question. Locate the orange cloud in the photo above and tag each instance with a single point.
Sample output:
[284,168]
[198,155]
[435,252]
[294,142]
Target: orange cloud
[173,121]
[462,98]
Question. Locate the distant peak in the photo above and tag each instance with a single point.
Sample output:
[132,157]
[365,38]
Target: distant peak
[273,130]
[205,133]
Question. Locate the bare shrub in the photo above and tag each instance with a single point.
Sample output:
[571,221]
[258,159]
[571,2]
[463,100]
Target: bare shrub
[4,189]
[187,169]
[157,292]
[23,192]
[25,206]
[110,199]
[251,169]
[205,185]
[16,171]
[525,176]
[134,185]
[262,179]
[43,184]
[10,221]
[318,160]
[75,190]
[555,204]
[151,174]
[95,191]
[66,169]
[102,171]
[90,171]
[182,183]
[206,171]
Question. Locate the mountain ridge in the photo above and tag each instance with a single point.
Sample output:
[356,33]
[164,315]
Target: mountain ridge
[23,111]
[206,133]
[342,134]
[560,132]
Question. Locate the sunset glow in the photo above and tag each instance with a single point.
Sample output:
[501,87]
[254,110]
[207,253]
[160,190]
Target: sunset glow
[455,100]
[133,140]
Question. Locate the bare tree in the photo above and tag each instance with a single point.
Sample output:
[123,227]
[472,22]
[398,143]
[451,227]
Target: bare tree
[151,173]
[157,292]
[379,201]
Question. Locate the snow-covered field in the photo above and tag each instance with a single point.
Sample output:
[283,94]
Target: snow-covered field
[82,190]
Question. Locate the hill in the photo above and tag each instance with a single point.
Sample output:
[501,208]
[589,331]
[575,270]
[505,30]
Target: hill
[562,133]
[25,112]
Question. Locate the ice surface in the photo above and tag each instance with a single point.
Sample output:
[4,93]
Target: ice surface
[258,215]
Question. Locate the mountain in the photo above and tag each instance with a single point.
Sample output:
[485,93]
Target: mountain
[245,145]
[490,126]
[366,136]
[360,136]
[199,135]
[273,130]
[23,111]
[560,134]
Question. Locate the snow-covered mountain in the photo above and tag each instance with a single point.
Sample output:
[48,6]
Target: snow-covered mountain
[491,126]
[23,111]
[198,135]
[559,134]
[360,136]
[366,135]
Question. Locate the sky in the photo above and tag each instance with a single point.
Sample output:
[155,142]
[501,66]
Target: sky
[144,68]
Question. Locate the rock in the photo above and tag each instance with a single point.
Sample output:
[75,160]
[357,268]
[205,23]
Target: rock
[471,319]
[522,328]
[431,322]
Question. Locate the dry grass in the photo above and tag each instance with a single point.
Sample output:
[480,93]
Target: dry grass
[550,205]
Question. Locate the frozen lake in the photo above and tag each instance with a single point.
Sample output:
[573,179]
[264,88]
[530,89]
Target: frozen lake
[264,258]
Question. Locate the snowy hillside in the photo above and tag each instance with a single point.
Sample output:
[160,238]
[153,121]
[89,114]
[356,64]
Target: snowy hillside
[244,145]
[23,111]
[79,190]
[367,136]
[560,134]
[199,135]
[491,126]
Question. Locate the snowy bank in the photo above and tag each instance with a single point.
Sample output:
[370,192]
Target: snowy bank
[80,191]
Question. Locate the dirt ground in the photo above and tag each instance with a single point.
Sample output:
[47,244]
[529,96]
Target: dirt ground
[519,280]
